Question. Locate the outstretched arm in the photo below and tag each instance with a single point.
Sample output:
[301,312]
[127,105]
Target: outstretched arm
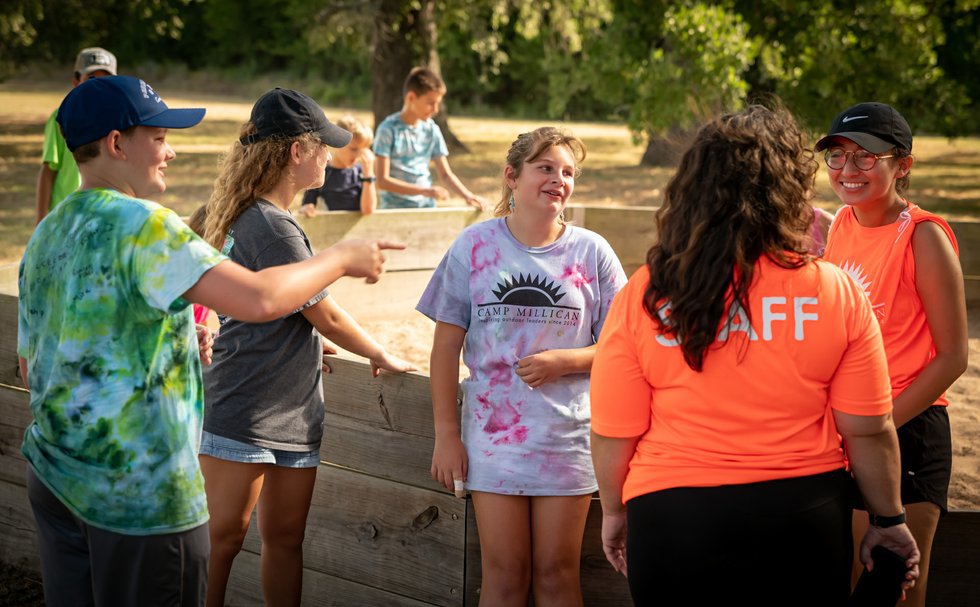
[449,177]
[382,167]
[274,292]
[334,323]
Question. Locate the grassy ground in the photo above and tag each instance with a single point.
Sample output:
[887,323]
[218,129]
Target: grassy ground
[946,177]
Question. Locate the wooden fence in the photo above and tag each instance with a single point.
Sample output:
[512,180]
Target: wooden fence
[380,531]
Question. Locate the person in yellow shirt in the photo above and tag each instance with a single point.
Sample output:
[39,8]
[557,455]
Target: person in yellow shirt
[58,176]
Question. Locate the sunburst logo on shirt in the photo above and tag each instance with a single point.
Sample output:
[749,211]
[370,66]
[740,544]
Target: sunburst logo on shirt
[528,291]
[856,272]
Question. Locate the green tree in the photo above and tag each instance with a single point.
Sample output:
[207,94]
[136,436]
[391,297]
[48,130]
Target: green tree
[821,57]
[668,66]
[17,33]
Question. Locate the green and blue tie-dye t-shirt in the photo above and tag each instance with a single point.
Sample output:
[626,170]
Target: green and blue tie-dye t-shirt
[113,363]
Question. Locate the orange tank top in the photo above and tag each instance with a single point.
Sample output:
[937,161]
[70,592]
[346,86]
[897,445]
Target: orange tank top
[881,261]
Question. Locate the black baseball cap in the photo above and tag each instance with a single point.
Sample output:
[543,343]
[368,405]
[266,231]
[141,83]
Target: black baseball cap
[285,113]
[876,127]
[115,103]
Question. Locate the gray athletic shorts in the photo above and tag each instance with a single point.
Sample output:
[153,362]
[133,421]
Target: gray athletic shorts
[83,565]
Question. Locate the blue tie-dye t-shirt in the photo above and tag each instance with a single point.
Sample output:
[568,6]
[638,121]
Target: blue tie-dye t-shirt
[113,363]
[409,150]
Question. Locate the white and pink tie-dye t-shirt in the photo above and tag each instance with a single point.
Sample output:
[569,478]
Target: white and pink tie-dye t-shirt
[515,301]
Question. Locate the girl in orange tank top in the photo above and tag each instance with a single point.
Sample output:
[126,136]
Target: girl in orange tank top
[905,259]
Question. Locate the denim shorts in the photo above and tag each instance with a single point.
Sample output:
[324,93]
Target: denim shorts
[235,451]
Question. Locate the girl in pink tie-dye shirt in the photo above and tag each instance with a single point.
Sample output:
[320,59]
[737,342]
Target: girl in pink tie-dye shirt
[523,296]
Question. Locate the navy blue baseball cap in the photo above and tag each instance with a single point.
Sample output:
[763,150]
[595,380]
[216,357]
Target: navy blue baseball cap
[115,103]
[876,127]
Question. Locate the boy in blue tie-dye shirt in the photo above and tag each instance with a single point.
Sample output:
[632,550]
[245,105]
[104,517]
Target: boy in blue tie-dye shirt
[107,347]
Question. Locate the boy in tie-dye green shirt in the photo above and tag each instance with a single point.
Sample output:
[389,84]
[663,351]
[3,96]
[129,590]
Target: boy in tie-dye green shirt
[113,363]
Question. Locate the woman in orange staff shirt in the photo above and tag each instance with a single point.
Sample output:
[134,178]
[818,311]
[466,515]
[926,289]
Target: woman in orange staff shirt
[905,259]
[725,371]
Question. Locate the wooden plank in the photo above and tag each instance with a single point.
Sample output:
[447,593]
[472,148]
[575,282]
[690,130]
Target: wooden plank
[396,456]
[381,426]
[954,572]
[398,403]
[601,585]
[427,233]
[15,415]
[474,567]
[968,238]
[9,371]
[386,535]
[971,285]
[8,277]
[319,589]
[629,230]
[18,532]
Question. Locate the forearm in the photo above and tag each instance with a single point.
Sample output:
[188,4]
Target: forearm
[22,363]
[931,382]
[444,380]
[45,185]
[611,459]
[334,323]
[271,293]
[450,179]
[369,197]
[398,186]
[578,360]
[876,466]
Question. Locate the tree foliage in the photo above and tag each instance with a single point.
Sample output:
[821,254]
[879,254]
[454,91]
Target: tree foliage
[659,65]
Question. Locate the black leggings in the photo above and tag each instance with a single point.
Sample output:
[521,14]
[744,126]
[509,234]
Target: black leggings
[783,542]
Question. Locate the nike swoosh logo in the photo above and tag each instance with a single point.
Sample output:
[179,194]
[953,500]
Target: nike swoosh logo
[850,118]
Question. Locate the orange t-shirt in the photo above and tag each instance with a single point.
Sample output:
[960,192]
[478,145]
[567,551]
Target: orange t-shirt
[881,261]
[761,409]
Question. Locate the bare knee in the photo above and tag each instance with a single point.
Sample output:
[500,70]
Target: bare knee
[506,580]
[557,577]
[227,541]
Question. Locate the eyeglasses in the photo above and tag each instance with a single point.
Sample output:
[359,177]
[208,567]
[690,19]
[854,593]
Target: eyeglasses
[864,161]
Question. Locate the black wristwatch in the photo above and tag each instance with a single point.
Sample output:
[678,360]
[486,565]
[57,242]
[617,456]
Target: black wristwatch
[370,179]
[883,522]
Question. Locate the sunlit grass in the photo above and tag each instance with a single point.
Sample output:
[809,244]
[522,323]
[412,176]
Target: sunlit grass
[946,176]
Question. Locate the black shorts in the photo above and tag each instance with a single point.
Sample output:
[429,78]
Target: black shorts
[927,459]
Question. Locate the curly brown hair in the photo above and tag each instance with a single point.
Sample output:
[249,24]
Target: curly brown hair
[246,172]
[741,191]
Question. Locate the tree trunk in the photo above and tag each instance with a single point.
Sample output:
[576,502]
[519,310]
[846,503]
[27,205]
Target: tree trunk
[666,151]
[405,37]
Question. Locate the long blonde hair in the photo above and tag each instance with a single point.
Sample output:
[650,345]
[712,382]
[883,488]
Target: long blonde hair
[246,172]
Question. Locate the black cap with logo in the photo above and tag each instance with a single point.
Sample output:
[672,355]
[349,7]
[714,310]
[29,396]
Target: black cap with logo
[876,127]
[286,113]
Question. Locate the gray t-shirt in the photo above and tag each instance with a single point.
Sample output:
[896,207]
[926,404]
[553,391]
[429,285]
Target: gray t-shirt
[264,384]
